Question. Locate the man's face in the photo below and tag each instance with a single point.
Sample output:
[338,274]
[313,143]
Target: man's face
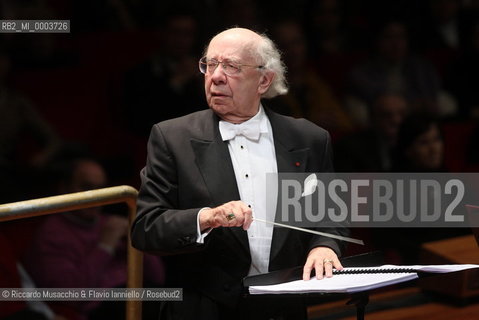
[234,98]
[427,151]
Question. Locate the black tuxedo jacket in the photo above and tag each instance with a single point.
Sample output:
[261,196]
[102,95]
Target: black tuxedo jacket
[189,167]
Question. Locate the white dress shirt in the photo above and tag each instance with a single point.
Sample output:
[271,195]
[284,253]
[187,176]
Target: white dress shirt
[252,158]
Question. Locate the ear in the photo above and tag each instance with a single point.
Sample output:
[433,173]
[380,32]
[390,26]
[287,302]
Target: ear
[265,81]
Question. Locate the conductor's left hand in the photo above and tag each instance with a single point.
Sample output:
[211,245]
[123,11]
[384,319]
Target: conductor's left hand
[322,260]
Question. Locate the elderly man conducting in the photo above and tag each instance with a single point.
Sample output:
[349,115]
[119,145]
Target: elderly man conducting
[205,180]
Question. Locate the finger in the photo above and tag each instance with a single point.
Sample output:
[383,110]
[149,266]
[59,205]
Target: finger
[328,269]
[248,217]
[231,219]
[224,210]
[248,220]
[243,215]
[337,264]
[238,219]
[308,267]
[221,216]
[319,267]
[219,220]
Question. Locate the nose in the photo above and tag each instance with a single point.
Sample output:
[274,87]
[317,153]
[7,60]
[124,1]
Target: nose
[218,76]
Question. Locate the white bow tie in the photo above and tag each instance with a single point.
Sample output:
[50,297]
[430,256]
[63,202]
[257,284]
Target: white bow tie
[250,129]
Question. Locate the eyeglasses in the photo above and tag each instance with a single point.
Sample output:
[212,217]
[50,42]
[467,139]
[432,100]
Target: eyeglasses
[229,67]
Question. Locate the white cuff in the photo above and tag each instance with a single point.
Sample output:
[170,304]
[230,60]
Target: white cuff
[200,238]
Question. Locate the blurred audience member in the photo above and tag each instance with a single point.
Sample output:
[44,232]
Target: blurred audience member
[442,32]
[420,146]
[394,69]
[370,149]
[324,27]
[336,43]
[169,84]
[420,149]
[308,97]
[23,134]
[13,275]
[85,248]
[444,26]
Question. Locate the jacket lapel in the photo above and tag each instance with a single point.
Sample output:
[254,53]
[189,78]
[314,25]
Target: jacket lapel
[214,162]
[288,159]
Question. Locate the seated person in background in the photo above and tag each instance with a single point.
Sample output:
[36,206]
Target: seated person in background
[13,275]
[84,248]
[308,96]
[394,68]
[420,148]
[168,78]
[27,141]
[370,149]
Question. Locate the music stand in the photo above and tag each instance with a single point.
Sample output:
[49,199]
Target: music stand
[358,299]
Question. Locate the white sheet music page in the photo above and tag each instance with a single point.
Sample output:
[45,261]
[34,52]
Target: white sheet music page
[383,276]
[337,283]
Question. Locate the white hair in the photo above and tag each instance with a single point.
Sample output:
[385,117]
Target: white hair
[270,58]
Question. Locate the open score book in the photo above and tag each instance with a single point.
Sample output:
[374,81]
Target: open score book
[358,279]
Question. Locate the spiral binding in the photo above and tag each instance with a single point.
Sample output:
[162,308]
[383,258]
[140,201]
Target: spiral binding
[359,271]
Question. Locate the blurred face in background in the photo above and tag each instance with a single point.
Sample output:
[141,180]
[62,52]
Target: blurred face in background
[180,35]
[393,42]
[291,40]
[388,114]
[427,151]
[87,175]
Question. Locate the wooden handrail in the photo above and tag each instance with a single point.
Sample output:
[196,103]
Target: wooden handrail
[82,200]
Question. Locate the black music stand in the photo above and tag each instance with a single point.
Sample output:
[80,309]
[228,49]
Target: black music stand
[358,299]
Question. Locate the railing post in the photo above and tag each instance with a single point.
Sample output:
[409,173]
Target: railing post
[135,268]
[88,199]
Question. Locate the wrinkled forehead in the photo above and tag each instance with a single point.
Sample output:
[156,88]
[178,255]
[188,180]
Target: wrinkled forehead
[231,47]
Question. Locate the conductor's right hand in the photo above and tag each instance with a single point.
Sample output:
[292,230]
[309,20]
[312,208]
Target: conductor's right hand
[231,214]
